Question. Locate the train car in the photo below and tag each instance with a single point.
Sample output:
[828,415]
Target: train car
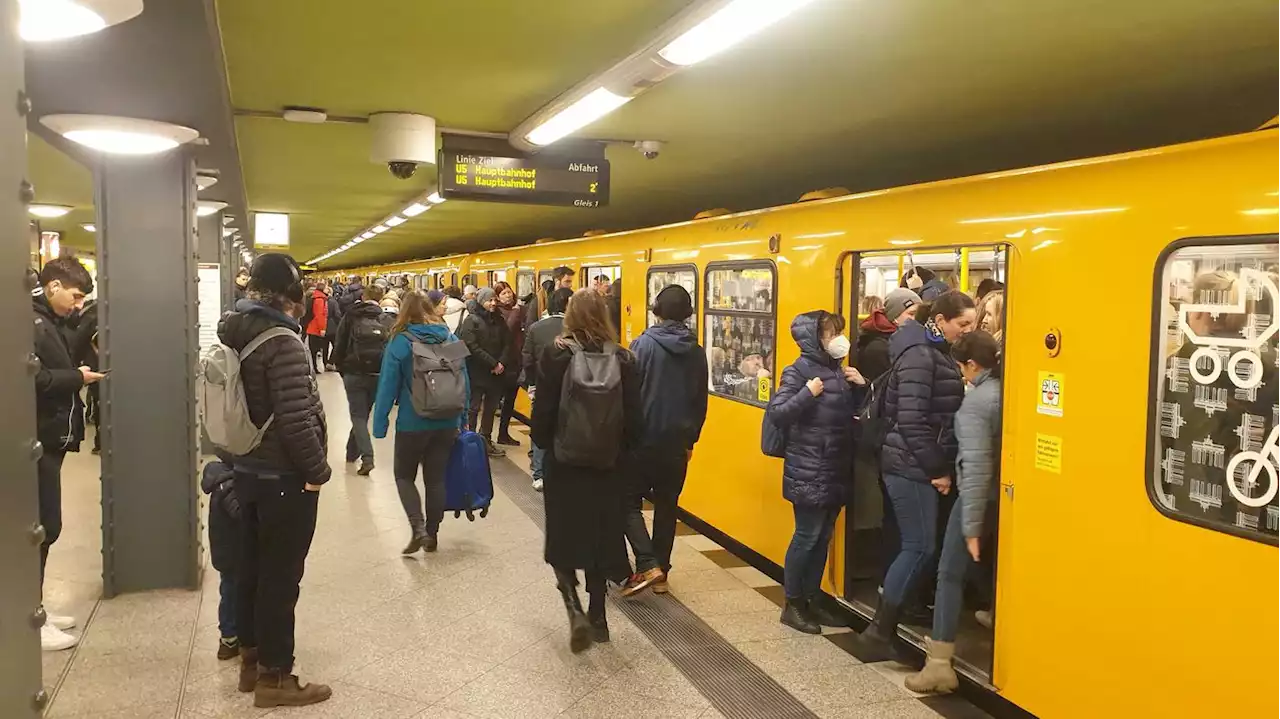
[1137,545]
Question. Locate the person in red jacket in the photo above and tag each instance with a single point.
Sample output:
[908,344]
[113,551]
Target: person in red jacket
[317,323]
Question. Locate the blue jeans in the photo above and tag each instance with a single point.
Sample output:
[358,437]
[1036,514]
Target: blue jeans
[535,464]
[807,553]
[227,605]
[361,390]
[915,506]
[952,566]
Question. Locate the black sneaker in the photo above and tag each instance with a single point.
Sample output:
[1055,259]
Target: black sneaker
[508,440]
[794,616]
[366,468]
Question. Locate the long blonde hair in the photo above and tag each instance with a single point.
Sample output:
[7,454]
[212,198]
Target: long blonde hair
[991,314]
[417,309]
[586,320]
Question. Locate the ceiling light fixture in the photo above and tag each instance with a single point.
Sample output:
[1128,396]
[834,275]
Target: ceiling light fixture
[43,20]
[368,235]
[435,198]
[204,182]
[394,221]
[379,229]
[48,211]
[229,231]
[415,209]
[591,107]
[729,25]
[271,229]
[204,208]
[119,135]
[89,227]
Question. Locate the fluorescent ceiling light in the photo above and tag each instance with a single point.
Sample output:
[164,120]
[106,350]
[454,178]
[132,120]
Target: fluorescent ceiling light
[42,20]
[394,221]
[729,25]
[379,229]
[48,211]
[204,182]
[271,229]
[368,235]
[119,135]
[415,209]
[435,198]
[89,227]
[229,231]
[592,107]
[357,240]
[204,208]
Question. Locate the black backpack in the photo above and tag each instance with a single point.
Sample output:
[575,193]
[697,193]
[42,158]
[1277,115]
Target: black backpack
[369,336]
[589,424]
[870,425]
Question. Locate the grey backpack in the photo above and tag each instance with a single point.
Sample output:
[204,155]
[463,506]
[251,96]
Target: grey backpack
[223,409]
[439,384]
[589,423]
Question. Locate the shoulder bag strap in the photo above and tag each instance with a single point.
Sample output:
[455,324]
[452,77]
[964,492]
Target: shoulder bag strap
[262,338]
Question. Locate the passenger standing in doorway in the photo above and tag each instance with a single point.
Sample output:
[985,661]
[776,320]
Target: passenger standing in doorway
[588,417]
[362,336]
[601,285]
[969,529]
[278,483]
[924,391]
[925,283]
[814,405]
[540,338]
[63,285]
[673,399]
[487,337]
[513,315]
[420,441]
[562,277]
[317,322]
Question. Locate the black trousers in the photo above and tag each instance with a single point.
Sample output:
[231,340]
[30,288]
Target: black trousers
[278,520]
[429,449]
[49,475]
[485,397]
[659,473]
[509,411]
[318,345]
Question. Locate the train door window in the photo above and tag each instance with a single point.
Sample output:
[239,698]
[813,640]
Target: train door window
[496,276]
[468,279]
[1214,428]
[660,277]
[599,277]
[741,320]
[545,276]
[524,283]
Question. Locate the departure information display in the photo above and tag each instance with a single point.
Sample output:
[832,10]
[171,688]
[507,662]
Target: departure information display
[537,180]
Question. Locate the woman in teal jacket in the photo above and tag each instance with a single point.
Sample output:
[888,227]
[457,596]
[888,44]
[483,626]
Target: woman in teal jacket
[419,441]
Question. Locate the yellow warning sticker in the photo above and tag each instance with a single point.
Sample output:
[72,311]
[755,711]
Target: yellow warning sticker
[1049,453]
[764,388]
[1050,400]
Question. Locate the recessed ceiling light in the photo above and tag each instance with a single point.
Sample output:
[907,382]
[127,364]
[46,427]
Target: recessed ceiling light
[368,235]
[435,198]
[415,209]
[119,135]
[204,208]
[89,227]
[394,221]
[42,20]
[48,211]
[357,240]
[379,229]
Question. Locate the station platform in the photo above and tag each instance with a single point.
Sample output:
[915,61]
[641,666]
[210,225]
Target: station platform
[474,630]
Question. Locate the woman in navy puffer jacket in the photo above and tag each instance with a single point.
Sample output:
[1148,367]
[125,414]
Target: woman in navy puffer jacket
[815,405]
[918,456]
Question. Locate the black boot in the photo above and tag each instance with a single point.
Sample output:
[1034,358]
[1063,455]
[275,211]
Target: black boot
[875,644]
[596,615]
[579,625]
[818,612]
[795,616]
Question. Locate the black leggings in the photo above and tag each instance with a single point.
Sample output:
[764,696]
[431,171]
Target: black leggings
[509,411]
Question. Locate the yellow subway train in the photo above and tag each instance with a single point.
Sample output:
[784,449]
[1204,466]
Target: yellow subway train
[1137,546]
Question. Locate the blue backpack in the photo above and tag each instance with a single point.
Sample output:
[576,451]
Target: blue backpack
[468,482]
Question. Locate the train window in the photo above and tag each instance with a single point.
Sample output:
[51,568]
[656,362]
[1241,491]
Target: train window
[1215,433]
[741,321]
[545,276]
[524,283]
[660,277]
[599,277]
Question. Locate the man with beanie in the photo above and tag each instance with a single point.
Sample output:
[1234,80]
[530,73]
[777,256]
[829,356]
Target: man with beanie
[487,336]
[278,482]
[673,395]
[874,332]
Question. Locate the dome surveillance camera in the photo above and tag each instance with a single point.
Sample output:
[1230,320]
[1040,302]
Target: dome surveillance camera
[649,148]
[401,169]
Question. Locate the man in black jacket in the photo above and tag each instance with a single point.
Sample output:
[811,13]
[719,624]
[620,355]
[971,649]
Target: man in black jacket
[487,336]
[64,283]
[278,482]
[357,353]
[673,394]
[537,338]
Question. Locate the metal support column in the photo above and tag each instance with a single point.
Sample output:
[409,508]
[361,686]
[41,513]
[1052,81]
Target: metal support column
[230,261]
[20,533]
[147,285]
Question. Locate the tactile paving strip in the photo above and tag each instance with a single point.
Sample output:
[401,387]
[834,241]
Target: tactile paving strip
[735,687]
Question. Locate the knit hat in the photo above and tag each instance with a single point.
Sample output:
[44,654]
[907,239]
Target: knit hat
[277,273]
[484,295]
[673,303]
[898,301]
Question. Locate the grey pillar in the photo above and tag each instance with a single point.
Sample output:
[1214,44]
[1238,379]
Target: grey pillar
[230,261]
[147,275]
[20,693]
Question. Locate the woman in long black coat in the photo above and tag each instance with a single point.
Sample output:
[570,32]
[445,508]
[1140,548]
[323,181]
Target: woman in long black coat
[584,505]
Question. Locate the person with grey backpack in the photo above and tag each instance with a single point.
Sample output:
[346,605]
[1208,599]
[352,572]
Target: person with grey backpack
[587,416]
[424,370]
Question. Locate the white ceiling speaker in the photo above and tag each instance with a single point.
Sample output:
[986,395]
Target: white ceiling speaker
[402,141]
[305,115]
[119,135]
[44,20]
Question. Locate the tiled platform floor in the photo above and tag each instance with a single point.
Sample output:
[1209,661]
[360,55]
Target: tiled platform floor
[475,630]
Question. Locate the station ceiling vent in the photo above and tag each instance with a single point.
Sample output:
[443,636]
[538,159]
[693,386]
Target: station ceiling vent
[595,233]
[824,194]
[716,212]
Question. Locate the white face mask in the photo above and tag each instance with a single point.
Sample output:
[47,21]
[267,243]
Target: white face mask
[838,347]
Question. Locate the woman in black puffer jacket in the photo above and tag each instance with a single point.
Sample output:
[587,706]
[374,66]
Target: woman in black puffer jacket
[919,452]
[814,406]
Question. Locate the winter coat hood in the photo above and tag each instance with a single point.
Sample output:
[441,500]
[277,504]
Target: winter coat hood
[674,337]
[878,322]
[911,333]
[251,318]
[806,331]
[433,334]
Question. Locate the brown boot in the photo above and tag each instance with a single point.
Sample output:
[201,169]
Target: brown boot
[279,688]
[248,669]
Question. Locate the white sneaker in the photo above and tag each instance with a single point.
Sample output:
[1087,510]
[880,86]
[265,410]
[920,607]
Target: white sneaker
[53,639]
[537,485]
[60,621]
[985,618]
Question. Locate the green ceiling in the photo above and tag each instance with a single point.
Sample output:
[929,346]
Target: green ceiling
[60,180]
[865,93]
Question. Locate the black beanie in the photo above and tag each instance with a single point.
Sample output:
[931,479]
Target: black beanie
[278,274]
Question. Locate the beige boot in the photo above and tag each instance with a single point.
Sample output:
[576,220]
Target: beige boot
[248,669]
[937,676]
[280,688]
